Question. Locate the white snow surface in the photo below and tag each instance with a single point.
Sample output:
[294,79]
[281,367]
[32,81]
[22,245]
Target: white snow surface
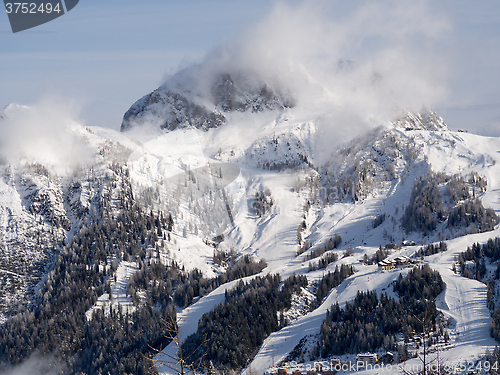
[273,237]
[161,161]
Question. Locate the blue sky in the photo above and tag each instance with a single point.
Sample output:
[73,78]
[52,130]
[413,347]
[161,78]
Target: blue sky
[104,55]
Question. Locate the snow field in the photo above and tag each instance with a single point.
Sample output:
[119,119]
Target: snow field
[273,237]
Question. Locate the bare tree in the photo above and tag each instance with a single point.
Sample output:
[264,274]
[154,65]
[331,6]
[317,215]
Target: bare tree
[180,363]
[430,365]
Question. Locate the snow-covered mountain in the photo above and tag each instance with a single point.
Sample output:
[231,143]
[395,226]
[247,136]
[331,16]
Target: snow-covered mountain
[189,99]
[206,171]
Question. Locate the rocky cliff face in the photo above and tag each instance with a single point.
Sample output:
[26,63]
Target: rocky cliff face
[171,110]
[185,101]
[239,93]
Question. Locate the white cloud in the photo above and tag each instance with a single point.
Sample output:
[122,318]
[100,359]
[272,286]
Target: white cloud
[44,133]
[300,46]
[355,64]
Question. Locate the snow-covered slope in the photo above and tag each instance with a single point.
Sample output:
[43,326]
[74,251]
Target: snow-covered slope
[412,153]
[243,164]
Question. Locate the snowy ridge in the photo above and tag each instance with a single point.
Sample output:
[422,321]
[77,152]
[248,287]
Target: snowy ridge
[427,119]
[41,209]
[32,220]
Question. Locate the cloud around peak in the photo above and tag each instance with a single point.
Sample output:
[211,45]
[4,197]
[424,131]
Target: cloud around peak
[379,56]
[43,133]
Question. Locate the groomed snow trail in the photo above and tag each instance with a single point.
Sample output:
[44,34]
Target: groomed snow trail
[463,300]
[187,321]
[277,346]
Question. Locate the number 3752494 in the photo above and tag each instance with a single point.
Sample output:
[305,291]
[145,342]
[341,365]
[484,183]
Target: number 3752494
[32,8]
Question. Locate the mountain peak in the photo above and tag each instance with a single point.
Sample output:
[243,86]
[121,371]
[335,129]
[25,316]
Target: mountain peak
[426,119]
[188,100]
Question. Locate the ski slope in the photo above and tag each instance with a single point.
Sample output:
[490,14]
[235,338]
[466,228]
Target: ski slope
[464,300]
[187,321]
[154,156]
[273,238]
[277,346]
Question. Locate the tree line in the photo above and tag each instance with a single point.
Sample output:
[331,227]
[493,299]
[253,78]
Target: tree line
[371,322]
[110,342]
[332,280]
[237,327]
[425,209]
[432,249]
